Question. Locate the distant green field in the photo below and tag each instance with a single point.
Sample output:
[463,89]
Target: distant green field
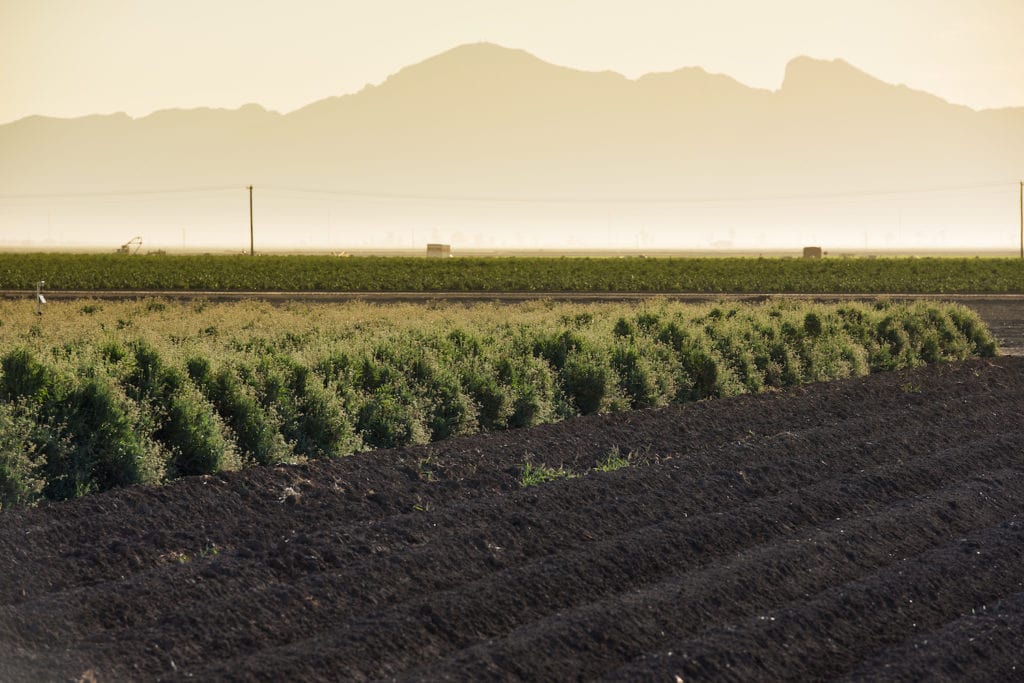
[405,274]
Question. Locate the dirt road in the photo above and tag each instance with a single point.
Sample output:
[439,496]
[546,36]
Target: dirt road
[870,528]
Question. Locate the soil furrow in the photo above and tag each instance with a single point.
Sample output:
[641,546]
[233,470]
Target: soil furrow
[598,634]
[510,598]
[984,645]
[828,634]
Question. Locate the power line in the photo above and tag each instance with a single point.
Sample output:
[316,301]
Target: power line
[118,193]
[505,199]
[637,200]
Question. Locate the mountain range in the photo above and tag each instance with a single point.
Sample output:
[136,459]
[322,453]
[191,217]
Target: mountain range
[488,124]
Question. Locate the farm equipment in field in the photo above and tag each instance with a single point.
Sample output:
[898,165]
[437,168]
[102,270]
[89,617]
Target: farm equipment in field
[132,246]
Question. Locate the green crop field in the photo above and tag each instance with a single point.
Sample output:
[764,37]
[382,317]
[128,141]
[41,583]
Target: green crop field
[95,395]
[362,274]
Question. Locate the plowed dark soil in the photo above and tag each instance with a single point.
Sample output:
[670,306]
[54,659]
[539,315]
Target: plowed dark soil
[871,528]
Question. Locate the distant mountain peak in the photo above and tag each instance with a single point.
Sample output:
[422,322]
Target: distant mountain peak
[834,81]
[695,77]
[473,56]
[485,72]
[484,49]
[807,73]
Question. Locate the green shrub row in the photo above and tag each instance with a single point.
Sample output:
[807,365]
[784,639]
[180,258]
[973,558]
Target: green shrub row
[135,402]
[362,274]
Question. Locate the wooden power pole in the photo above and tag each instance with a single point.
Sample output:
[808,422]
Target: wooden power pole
[252,249]
[1021,199]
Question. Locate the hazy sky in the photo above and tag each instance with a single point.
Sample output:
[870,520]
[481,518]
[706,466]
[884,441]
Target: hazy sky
[75,57]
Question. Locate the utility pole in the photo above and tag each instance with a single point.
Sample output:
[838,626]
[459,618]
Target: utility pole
[252,249]
[1022,219]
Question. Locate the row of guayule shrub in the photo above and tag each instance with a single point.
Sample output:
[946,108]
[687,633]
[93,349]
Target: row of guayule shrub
[126,413]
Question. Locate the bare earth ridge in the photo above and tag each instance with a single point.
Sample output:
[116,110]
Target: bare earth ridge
[868,528]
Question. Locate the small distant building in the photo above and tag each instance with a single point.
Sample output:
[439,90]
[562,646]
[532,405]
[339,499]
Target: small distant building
[439,250]
[812,252]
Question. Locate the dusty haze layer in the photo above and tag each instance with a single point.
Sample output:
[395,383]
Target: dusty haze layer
[489,147]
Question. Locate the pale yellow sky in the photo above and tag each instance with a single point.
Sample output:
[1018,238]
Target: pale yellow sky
[76,57]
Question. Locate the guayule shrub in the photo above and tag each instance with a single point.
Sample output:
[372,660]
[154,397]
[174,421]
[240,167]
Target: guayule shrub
[92,441]
[586,376]
[25,377]
[256,429]
[388,421]
[451,411]
[21,478]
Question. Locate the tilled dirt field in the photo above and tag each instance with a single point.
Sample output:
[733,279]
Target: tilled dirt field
[869,529]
